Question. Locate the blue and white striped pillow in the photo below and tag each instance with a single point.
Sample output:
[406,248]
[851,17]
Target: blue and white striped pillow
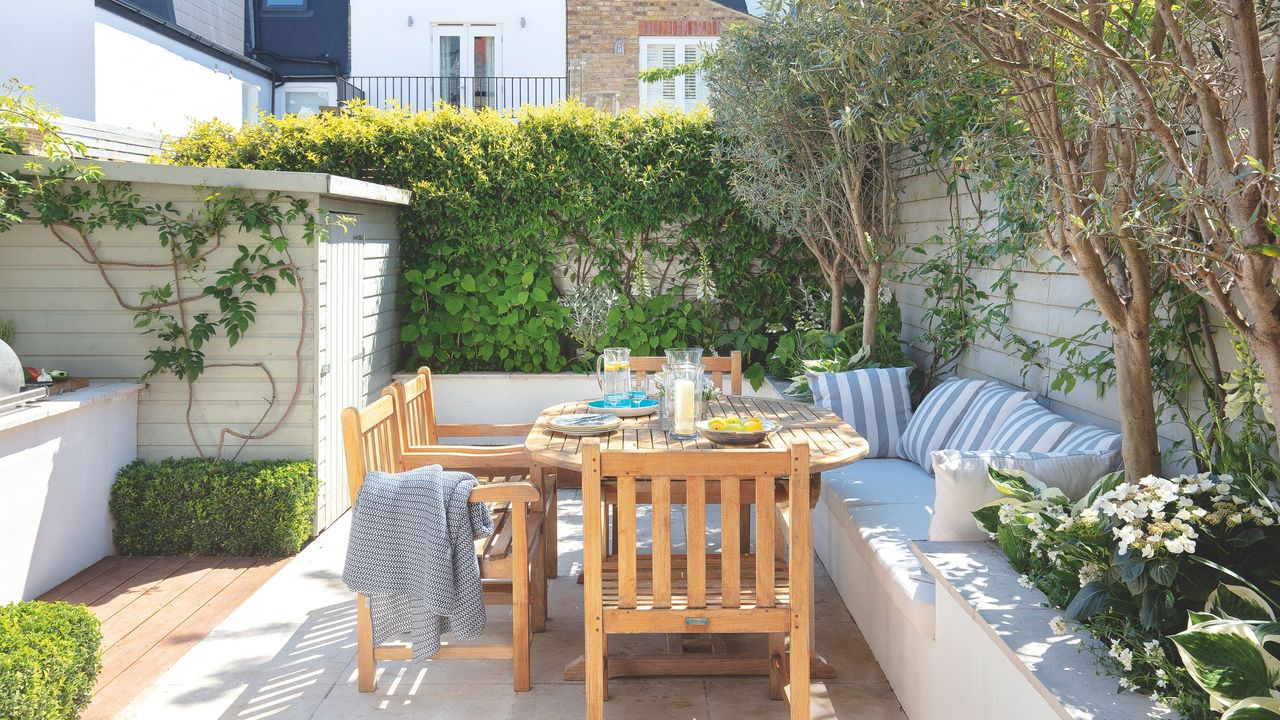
[1031,428]
[933,422]
[984,417]
[875,401]
[1089,438]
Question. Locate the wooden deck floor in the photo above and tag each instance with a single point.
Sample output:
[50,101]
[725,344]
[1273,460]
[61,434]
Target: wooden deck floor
[153,610]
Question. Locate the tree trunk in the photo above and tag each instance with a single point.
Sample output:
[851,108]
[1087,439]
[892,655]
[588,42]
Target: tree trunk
[870,308]
[1267,352]
[836,281]
[1141,447]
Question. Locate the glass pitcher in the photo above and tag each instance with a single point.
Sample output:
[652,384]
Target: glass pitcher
[684,356]
[682,400]
[613,372]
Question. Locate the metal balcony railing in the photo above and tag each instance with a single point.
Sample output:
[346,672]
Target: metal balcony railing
[422,92]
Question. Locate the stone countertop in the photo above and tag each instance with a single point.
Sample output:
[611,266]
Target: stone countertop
[67,402]
[1061,667]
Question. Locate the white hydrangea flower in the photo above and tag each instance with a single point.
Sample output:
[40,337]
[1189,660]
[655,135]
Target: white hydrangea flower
[1025,582]
[1058,626]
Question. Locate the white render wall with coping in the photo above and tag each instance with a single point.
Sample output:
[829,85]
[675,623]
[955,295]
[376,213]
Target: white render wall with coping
[383,42]
[67,318]
[58,460]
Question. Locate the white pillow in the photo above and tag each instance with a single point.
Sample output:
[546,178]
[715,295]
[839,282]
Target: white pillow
[934,421]
[874,401]
[962,483]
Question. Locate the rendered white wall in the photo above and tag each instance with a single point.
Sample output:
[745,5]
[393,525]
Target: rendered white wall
[50,45]
[1049,302]
[148,81]
[55,476]
[383,42]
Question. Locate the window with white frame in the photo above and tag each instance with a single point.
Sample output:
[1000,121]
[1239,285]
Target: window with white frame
[683,92]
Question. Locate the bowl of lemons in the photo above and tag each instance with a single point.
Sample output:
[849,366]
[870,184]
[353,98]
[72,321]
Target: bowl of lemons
[737,430]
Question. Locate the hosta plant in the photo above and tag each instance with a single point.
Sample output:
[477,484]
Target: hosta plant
[1232,651]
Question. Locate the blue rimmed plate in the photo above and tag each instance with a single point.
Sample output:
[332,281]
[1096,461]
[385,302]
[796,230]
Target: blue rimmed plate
[626,410]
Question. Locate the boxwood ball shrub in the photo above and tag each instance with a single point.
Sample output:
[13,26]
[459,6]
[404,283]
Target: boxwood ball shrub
[214,507]
[49,660]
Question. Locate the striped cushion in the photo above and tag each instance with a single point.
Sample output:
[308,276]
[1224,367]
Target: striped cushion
[1030,428]
[876,402]
[984,417]
[933,422]
[1089,438]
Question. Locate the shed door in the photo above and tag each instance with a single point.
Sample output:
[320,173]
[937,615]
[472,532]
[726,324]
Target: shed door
[342,362]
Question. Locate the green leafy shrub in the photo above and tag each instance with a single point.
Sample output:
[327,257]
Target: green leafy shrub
[214,507]
[1133,559]
[486,314]
[48,660]
[594,197]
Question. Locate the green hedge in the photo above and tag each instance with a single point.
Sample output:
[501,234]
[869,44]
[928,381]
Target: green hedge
[565,187]
[214,507]
[48,660]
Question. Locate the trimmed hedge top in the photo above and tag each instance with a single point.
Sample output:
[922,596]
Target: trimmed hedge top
[214,507]
[48,660]
[501,206]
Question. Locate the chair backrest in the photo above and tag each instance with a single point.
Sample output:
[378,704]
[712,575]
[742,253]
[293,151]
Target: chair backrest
[729,478]
[371,441]
[416,406]
[718,366]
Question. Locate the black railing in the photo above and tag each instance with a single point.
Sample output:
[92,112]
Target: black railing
[422,93]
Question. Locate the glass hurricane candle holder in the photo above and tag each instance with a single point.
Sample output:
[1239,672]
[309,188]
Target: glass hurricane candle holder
[682,401]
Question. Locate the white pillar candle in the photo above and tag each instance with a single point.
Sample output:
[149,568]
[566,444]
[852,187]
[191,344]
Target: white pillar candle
[685,407]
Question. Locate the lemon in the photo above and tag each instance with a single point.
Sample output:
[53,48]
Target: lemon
[752,425]
[733,427]
[715,424]
[616,366]
[732,419]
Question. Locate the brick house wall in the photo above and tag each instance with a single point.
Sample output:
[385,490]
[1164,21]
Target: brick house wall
[598,28]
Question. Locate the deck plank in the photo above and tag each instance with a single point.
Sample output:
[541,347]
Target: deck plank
[124,622]
[137,587]
[93,591]
[151,649]
[78,580]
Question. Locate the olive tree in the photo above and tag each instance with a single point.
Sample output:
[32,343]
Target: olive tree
[812,135]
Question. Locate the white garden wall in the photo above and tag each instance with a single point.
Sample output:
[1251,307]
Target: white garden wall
[1049,302]
[67,319]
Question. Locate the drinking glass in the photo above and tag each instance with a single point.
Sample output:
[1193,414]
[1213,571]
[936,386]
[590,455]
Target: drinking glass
[640,383]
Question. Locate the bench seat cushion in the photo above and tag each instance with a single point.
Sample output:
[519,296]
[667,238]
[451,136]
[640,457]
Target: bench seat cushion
[881,525]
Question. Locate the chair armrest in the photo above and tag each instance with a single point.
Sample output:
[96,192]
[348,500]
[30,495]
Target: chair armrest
[476,451]
[468,461]
[483,430]
[519,491]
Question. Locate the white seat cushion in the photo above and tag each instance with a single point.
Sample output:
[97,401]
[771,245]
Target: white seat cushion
[883,532]
[881,481]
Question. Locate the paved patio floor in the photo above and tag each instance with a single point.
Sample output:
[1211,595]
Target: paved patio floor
[289,652]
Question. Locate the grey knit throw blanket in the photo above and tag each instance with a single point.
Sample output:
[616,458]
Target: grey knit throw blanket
[412,553]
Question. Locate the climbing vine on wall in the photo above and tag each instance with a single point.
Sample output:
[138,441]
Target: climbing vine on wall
[199,292]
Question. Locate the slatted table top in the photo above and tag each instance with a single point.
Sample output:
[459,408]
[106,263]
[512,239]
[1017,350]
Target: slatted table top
[832,442]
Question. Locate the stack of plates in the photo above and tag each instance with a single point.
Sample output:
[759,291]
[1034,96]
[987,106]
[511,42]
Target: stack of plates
[582,424]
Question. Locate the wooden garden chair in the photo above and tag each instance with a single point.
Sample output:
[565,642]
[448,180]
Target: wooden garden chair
[420,431]
[730,591]
[511,560]
[720,367]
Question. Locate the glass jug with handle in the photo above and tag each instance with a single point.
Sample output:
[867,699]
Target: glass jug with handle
[613,372]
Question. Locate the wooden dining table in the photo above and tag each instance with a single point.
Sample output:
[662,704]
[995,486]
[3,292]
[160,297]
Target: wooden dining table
[832,444]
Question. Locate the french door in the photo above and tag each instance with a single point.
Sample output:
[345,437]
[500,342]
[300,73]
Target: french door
[466,60]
